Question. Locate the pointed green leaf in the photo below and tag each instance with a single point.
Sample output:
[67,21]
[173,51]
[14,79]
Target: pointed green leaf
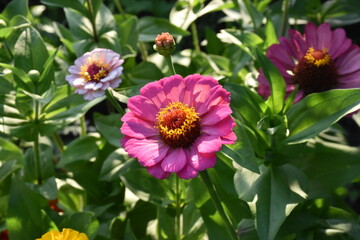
[318,111]
[276,82]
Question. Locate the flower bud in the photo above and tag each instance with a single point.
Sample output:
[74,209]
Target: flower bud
[164,44]
[34,75]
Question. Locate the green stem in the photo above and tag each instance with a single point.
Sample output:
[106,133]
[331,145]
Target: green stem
[143,51]
[195,37]
[92,19]
[113,101]
[82,126]
[59,143]
[248,8]
[37,145]
[119,7]
[284,20]
[215,198]
[178,209]
[170,64]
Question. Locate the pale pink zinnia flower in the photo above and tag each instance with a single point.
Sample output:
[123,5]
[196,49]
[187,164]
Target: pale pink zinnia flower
[317,61]
[94,72]
[177,125]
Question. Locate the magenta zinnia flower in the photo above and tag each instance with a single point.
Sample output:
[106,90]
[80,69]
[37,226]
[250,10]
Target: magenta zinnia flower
[317,61]
[177,125]
[94,72]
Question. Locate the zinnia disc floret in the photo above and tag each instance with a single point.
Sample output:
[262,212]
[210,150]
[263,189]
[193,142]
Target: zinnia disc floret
[95,72]
[66,234]
[318,60]
[176,125]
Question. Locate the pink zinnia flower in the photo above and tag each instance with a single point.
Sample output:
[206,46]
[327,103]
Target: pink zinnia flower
[94,72]
[317,61]
[177,125]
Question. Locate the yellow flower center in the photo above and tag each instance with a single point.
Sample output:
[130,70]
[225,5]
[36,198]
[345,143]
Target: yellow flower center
[94,71]
[318,57]
[315,72]
[178,125]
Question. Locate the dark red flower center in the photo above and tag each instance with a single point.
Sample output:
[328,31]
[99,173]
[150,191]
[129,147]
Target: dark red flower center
[94,72]
[315,72]
[178,125]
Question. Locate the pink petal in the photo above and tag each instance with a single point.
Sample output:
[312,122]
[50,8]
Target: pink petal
[217,95]
[349,81]
[202,89]
[208,143]
[187,172]
[288,46]
[158,172]
[324,36]
[143,107]
[200,161]
[174,161]
[215,114]
[310,35]
[339,43]
[229,139]
[148,151]
[299,43]
[190,82]
[221,128]
[281,55]
[349,62]
[174,87]
[155,92]
[137,127]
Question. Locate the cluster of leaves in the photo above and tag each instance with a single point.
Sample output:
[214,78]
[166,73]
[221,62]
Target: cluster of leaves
[282,179]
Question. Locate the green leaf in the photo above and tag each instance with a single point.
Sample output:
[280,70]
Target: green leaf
[46,161]
[166,222]
[6,169]
[51,124]
[79,152]
[330,166]
[9,151]
[15,7]
[243,39]
[150,27]
[145,72]
[128,33]
[80,26]
[185,13]
[47,74]
[24,217]
[74,4]
[241,152]
[276,82]
[83,222]
[246,104]
[109,127]
[72,196]
[129,234]
[318,111]
[193,224]
[270,33]
[145,186]
[22,79]
[274,203]
[115,164]
[30,52]
[105,21]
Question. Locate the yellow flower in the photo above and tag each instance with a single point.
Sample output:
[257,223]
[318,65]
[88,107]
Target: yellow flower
[66,234]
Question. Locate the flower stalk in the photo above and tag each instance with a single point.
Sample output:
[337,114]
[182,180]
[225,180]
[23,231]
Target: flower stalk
[284,20]
[216,200]
[178,209]
[113,101]
[92,19]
